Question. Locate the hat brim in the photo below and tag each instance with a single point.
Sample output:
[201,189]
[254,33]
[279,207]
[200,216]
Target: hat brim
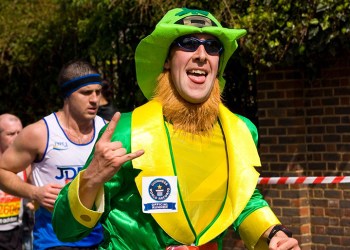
[153,50]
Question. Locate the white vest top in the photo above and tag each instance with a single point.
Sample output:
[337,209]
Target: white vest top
[62,159]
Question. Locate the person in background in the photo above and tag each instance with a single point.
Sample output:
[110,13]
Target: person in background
[12,208]
[106,109]
[178,171]
[57,147]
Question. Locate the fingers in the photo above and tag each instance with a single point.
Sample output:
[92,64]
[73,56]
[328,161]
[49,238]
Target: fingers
[282,243]
[115,145]
[115,150]
[54,189]
[107,135]
[50,196]
[56,186]
[30,205]
[122,158]
[135,154]
[131,156]
[49,202]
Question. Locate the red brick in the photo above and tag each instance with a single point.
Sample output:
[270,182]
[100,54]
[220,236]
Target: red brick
[308,133]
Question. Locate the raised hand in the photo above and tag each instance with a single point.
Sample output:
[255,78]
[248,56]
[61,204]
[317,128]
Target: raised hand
[109,156]
[107,160]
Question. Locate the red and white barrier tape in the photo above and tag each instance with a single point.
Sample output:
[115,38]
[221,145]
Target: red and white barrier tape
[304,180]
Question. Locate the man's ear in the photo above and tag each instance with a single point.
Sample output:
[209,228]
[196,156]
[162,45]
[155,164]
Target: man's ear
[166,64]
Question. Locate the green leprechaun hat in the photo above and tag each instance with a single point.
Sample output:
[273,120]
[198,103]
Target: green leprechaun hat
[152,51]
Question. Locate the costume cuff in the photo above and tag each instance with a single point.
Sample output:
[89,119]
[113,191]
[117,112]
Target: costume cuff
[253,227]
[83,215]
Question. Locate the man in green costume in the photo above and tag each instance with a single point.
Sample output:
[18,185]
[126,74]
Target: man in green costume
[177,172]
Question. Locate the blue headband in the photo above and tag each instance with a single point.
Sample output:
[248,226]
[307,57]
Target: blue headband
[74,84]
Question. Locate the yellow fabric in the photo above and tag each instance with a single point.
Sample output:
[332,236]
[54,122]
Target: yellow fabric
[202,174]
[262,219]
[148,133]
[242,174]
[83,215]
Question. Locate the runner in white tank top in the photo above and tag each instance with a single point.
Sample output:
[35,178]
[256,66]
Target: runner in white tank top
[63,158]
[61,162]
[58,146]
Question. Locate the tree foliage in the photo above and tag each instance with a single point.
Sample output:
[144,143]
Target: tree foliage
[38,36]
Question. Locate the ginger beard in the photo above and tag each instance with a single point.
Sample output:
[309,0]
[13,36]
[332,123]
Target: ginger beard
[189,117]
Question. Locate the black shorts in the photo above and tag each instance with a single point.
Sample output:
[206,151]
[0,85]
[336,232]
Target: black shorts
[12,239]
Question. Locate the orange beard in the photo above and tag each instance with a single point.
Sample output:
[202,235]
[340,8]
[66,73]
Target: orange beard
[189,117]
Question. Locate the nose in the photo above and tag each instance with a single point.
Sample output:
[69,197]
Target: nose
[95,97]
[201,53]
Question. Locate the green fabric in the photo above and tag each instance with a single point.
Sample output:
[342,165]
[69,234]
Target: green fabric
[256,201]
[152,51]
[251,127]
[126,226]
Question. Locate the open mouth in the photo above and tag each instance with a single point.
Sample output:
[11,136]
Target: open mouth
[197,72]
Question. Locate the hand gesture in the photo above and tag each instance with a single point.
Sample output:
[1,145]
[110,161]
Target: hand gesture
[109,156]
[107,160]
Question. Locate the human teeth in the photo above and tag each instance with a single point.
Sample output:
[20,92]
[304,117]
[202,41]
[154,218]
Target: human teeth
[197,71]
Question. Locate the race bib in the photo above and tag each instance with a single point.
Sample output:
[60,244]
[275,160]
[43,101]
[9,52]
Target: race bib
[159,194]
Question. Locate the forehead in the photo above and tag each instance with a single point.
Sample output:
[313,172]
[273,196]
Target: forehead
[10,125]
[203,36]
[90,87]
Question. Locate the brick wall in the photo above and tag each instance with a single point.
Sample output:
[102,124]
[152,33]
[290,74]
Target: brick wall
[304,127]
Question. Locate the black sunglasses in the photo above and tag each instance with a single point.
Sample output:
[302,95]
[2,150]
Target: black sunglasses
[191,44]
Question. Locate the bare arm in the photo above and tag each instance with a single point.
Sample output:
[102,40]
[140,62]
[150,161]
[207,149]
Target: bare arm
[108,158]
[28,145]
[16,159]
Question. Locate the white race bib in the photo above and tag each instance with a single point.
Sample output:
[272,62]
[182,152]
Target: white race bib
[159,194]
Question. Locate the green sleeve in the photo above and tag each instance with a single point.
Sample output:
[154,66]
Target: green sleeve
[257,211]
[63,222]
[252,128]
[256,201]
